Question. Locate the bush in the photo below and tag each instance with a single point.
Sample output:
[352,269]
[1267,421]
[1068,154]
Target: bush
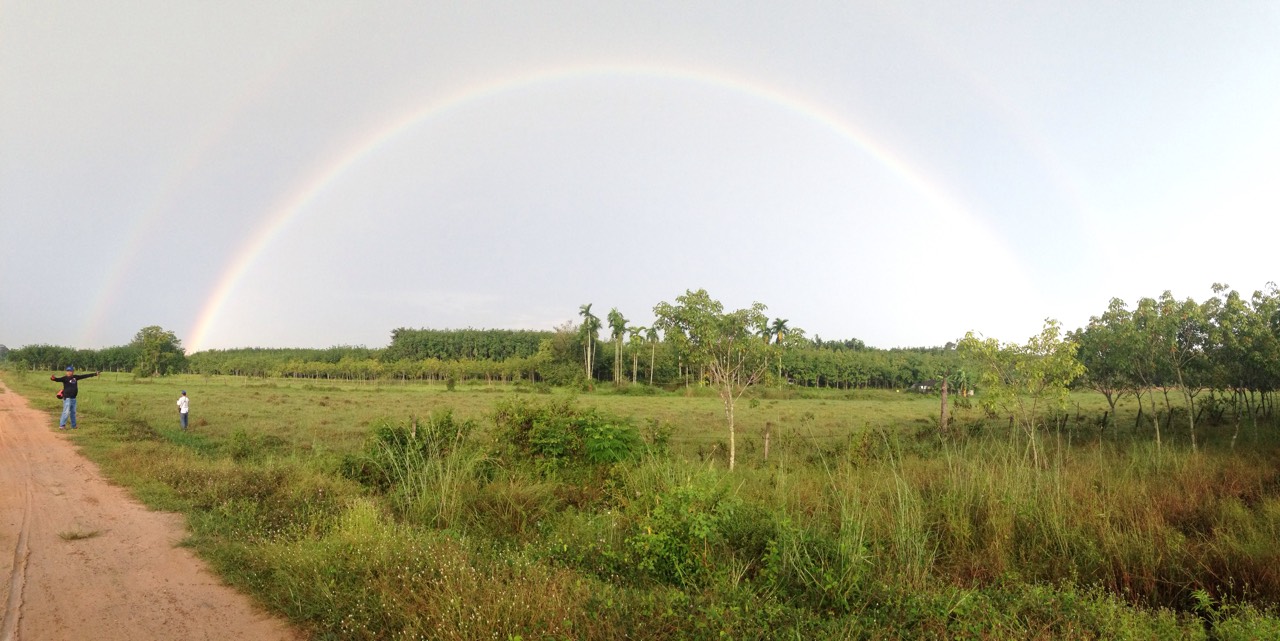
[609,443]
[560,433]
[679,538]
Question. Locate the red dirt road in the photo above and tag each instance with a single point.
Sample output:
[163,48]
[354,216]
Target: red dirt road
[126,580]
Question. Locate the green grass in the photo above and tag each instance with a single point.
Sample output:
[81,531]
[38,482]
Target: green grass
[365,511]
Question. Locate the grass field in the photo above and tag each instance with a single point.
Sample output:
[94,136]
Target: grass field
[300,416]
[390,511]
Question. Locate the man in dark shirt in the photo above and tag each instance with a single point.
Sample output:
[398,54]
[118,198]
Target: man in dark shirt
[70,387]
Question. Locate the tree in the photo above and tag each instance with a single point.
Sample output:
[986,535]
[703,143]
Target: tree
[1024,380]
[651,335]
[949,373]
[1265,357]
[635,335]
[1187,338]
[617,328]
[1106,350]
[159,352]
[778,329]
[1148,365]
[590,329]
[727,345]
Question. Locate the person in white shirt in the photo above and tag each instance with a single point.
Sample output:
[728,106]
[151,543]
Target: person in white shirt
[183,405]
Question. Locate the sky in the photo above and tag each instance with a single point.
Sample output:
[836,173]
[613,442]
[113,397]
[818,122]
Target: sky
[316,173]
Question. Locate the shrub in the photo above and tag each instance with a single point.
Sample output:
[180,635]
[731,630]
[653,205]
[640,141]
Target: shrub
[679,537]
[559,433]
[608,443]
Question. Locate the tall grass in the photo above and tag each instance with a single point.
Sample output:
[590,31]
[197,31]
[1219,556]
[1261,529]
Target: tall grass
[431,467]
[863,523]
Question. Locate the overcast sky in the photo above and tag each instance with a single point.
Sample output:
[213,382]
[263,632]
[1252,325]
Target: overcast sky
[308,174]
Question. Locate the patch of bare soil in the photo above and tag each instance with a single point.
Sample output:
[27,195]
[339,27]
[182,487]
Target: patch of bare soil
[81,559]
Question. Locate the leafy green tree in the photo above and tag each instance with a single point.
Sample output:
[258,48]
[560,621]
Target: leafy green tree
[1148,364]
[725,344]
[1187,336]
[1229,323]
[1242,348]
[1024,380]
[1107,347]
[159,352]
[1266,347]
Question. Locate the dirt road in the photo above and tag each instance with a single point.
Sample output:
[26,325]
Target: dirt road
[83,560]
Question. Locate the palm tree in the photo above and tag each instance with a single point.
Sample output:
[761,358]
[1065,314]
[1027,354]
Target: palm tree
[590,326]
[778,329]
[651,335]
[617,327]
[635,334]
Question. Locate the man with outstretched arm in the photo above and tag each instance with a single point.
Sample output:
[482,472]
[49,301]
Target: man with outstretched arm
[70,387]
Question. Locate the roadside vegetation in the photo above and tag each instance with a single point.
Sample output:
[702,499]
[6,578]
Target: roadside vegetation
[1119,481]
[409,511]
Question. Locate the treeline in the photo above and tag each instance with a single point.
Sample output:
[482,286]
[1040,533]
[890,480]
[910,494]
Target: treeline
[355,364]
[555,358]
[153,352]
[414,354]
[463,344]
[53,357]
[1222,356]
[844,368]
[258,361]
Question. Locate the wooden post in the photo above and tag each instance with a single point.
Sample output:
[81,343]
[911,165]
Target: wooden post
[768,429]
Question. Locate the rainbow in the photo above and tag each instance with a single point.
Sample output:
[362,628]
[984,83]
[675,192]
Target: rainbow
[207,137]
[367,145]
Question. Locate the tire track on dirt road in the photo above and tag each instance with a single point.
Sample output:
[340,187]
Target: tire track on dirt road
[21,552]
[87,561]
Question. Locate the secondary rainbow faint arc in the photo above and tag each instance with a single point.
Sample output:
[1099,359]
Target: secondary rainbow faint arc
[207,137]
[295,203]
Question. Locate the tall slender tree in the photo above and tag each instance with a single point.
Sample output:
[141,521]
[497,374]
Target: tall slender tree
[651,335]
[778,330]
[1021,380]
[590,329]
[617,329]
[1187,338]
[1148,363]
[634,336]
[725,344]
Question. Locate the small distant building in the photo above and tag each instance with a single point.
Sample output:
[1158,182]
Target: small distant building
[927,386]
